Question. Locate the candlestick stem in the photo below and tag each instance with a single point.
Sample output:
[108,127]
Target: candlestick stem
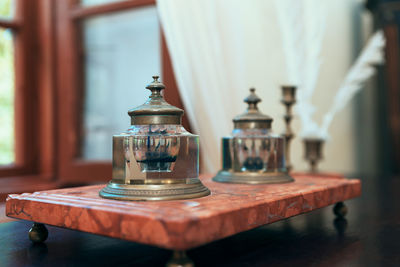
[288,100]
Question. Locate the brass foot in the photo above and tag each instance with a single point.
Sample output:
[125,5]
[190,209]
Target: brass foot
[179,259]
[340,209]
[38,233]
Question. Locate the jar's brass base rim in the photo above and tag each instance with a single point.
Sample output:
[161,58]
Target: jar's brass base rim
[154,192]
[253,178]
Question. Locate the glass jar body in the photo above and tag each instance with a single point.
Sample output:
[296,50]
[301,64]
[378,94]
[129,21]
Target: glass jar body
[255,154]
[155,154]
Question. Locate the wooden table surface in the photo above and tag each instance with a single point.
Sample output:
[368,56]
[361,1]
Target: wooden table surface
[371,238]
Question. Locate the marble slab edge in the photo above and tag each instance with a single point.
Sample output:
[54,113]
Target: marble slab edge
[171,225]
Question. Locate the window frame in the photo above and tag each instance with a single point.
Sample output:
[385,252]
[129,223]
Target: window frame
[34,132]
[25,100]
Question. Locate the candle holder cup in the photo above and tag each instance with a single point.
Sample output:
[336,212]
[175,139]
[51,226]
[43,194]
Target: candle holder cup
[313,152]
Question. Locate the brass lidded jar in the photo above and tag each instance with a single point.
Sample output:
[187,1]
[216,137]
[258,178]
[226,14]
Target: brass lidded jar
[253,155]
[156,158]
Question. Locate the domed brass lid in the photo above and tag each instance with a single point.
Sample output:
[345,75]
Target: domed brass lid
[155,110]
[252,118]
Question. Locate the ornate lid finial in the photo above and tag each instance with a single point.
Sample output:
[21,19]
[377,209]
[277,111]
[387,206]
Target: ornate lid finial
[252,100]
[155,87]
[155,110]
[252,118]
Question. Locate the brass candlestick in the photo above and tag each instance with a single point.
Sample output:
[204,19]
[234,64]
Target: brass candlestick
[313,151]
[288,99]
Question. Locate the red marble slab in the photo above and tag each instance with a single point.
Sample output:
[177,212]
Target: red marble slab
[181,224]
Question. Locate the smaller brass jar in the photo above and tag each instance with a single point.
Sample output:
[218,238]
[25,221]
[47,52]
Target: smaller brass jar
[156,158]
[253,155]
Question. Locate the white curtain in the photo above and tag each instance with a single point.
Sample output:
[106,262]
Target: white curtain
[221,48]
[210,43]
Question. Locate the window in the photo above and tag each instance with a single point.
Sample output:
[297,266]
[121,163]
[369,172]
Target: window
[105,46]
[6,95]
[121,53]
[17,103]
[25,97]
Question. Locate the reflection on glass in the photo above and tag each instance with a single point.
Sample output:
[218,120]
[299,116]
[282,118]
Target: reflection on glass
[156,151]
[253,154]
[122,51]
[98,2]
[6,97]
[253,150]
[7,8]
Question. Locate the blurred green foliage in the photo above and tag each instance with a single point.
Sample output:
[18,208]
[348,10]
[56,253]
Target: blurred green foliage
[6,8]
[6,87]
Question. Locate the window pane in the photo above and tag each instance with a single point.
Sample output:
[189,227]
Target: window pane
[6,97]
[7,8]
[122,53]
[97,2]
